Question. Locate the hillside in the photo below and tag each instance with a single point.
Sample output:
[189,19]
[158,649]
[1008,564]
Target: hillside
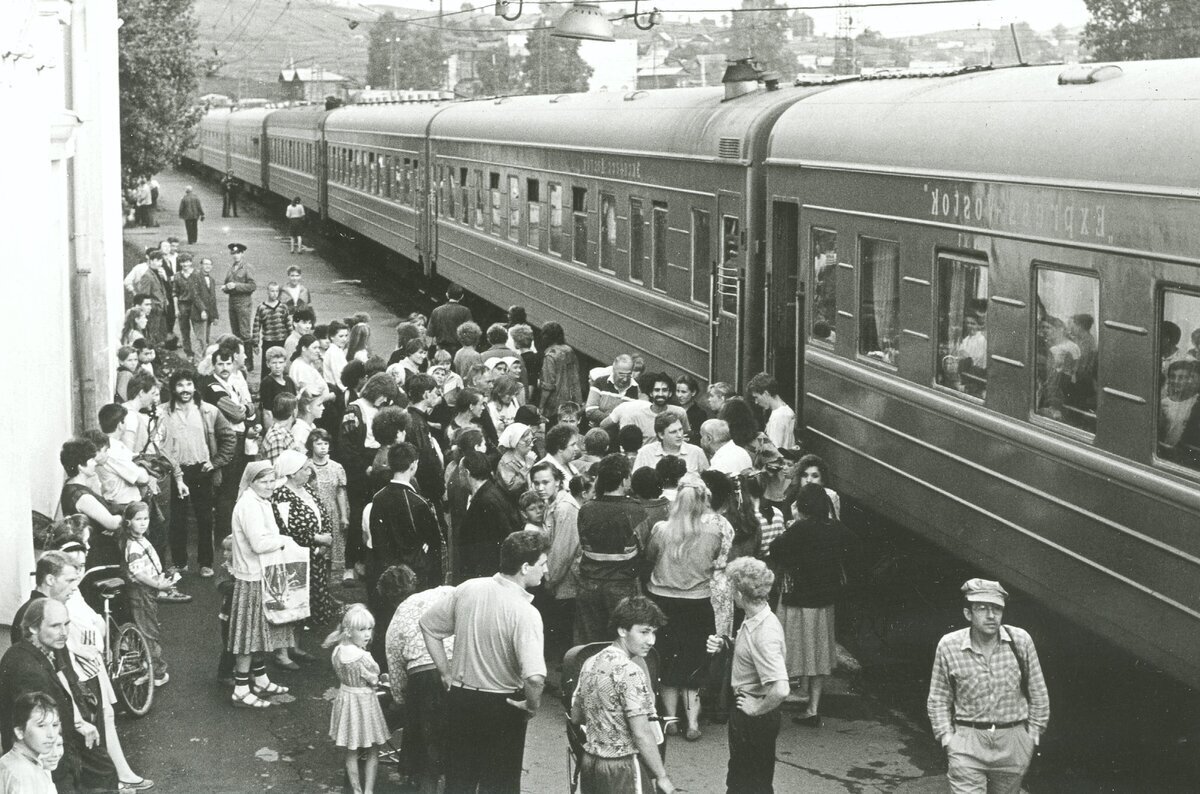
[251,40]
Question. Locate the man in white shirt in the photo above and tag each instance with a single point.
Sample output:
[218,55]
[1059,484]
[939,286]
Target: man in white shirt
[669,429]
[781,424]
[120,477]
[724,455]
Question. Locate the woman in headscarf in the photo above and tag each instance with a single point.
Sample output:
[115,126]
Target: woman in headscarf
[512,472]
[299,515]
[255,535]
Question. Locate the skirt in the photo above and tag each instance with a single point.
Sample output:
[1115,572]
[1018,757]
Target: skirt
[357,719]
[681,643]
[249,631]
[811,646]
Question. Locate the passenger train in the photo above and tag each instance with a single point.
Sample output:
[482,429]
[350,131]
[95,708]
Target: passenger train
[981,288]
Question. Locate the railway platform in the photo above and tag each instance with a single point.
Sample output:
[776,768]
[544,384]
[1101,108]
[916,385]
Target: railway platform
[194,741]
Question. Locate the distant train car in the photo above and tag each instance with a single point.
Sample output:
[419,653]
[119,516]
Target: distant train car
[246,138]
[1001,280]
[634,220]
[295,155]
[376,167]
[212,141]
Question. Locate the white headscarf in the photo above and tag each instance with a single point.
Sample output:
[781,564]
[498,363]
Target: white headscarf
[512,435]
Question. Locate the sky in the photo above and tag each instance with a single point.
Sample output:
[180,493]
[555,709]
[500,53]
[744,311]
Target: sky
[900,21]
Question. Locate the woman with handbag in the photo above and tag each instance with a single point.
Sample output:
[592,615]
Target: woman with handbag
[251,636]
[299,515]
[811,555]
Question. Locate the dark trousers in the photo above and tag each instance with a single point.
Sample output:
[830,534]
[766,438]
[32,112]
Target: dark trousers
[227,492]
[185,326]
[200,499]
[423,753]
[193,229]
[752,753]
[486,744]
[229,205]
[595,601]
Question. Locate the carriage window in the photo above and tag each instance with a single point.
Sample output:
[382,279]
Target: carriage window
[514,209]
[878,299]
[494,197]
[555,219]
[533,236]
[1179,378]
[1067,306]
[962,324]
[386,177]
[451,194]
[823,244]
[637,234]
[579,235]
[479,198]
[608,232]
[464,202]
[373,164]
[701,246]
[731,249]
[658,246]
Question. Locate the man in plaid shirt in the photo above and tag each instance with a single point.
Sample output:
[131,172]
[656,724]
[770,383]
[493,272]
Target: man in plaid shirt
[988,702]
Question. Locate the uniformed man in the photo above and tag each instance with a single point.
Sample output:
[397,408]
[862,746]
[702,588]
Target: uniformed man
[987,698]
[239,286]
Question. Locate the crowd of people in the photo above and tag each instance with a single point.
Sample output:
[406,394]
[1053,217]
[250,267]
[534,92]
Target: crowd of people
[497,503]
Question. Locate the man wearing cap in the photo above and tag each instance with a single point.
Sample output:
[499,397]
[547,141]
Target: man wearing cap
[988,702]
[239,286]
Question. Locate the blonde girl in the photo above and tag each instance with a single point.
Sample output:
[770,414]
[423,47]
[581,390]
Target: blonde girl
[357,720]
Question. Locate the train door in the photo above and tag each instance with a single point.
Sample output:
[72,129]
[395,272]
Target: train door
[724,361]
[426,184]
[785,303]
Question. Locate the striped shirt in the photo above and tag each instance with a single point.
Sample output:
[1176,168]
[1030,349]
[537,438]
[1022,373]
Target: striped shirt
[966,685]
[272,323]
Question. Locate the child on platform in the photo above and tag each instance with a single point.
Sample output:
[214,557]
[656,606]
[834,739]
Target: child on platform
[146,580]
[357,721]
[331,491]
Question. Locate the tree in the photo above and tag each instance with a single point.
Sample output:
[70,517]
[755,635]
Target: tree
[762,35]
[1127,30]
[499,72]
[553,65]
[158,73]
[402,55]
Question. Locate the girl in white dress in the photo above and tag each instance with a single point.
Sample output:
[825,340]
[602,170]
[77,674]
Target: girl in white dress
[357,721]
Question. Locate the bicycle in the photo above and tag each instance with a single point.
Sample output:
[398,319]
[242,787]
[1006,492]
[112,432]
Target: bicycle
[126,650]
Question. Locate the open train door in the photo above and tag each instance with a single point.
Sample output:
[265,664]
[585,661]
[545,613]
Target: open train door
[425,221]
[785,304]
[724,360]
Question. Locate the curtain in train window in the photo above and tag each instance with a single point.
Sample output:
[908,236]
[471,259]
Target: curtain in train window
[579,230]
[451,193]
[497,213]
[373,172]
[479,198]
[1066,347]
[386,181]
[637,235]
[556,219]
[701,256]
[658,246]
[608,232]
[878,299]
[514,209]
[731,249]
[962,285]
[823,321]
[1179,379]
[464,187]
[533,232]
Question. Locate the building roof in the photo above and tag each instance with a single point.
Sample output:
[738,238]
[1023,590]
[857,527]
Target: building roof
[305,74]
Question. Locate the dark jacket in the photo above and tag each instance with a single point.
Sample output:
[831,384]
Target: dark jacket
[190,208]
[813,555]
[205,297]
[444,322]
[431,475]
[24,668]
[490,519]
[610,532]
[405,531]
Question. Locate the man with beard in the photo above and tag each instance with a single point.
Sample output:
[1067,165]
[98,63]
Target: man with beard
[33,665]
[661,388]
[200,441]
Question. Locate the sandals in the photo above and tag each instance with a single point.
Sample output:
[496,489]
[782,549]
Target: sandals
[249,701]
[141,785]
[271,688]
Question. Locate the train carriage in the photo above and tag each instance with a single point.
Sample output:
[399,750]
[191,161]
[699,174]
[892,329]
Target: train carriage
[246,142]
[991,265]
[629,218]
[212,141]
[375,168]
[294,155]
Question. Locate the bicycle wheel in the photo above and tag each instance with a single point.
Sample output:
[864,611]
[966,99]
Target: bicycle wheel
[132,670]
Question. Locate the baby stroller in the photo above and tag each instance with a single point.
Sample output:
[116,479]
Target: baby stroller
[576,735]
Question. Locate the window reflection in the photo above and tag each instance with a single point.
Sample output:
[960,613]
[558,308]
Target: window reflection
[962,325]
[1067,305]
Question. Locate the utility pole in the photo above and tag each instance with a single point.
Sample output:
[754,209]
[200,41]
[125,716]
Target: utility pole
[843,45]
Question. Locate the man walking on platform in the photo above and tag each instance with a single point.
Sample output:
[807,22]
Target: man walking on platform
[988,702]
[496,679]
[192,212]
[445,319]
[239,286]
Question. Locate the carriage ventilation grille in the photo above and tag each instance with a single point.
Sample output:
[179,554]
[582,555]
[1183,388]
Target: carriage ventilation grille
[730,148]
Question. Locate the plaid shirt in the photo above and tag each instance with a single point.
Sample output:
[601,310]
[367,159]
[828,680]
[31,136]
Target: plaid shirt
[278,440]
[272,323]
[965,685]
